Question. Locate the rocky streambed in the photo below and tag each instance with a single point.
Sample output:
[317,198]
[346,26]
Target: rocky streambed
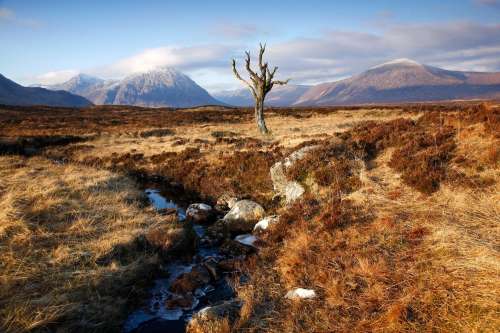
[200,288]
[199,291]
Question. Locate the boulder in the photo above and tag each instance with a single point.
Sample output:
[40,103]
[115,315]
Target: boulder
[291,190]
[219,318]
[190,281]
[278,177]
[266,222]
[226,202]
[199,213]
[243,216]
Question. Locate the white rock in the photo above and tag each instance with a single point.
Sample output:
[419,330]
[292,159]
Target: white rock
[243,216]
[301,293]
[199,212]
[293,191]
[198,206]
[246,239]
[266,222]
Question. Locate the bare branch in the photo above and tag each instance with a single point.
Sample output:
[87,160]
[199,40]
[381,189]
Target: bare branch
[263,66]
[238,76]
[261,54]
[270,75]
[253,76]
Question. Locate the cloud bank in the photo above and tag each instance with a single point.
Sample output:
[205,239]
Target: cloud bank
[327,57]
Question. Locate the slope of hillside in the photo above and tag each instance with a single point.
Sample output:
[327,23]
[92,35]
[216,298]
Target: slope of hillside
[404,80]
[12,93]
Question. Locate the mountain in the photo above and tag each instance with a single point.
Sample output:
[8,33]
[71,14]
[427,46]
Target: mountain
[80,84]
[160,87]
[279,96]
[12,93]
[404,80]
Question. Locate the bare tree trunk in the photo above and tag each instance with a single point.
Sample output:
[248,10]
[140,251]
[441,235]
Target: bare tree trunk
[259,116]
[259,85]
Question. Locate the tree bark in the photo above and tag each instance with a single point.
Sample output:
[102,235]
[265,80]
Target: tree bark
[259,116]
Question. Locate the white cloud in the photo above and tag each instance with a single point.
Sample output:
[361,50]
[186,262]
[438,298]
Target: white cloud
[54,77]
[184,58]
[327,57]
[456,45]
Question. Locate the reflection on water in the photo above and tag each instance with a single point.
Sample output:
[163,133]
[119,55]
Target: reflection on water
[160,202]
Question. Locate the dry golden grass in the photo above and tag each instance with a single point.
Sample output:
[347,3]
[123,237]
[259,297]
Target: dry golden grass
[287,131]
[409,262]
[457,265]
[381,255]
[56,222]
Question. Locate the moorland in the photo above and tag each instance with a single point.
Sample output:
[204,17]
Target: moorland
[397,229]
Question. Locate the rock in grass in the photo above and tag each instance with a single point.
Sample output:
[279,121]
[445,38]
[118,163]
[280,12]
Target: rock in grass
[215,317]
[301,293]
[243,216]
[266,222]
[199,213]
[291,190]
[247,239]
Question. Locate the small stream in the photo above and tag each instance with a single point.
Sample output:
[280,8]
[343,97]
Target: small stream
[155,316]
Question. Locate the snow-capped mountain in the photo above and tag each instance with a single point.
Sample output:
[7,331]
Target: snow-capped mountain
[400,80]
[404,80]
[156,88]
[79,84]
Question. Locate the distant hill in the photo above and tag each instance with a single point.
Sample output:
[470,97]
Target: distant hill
[279,96]
[397,81]
[12,93]
[404,80]
[156,88]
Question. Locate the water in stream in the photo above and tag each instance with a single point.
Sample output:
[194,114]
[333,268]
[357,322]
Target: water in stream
[155,316]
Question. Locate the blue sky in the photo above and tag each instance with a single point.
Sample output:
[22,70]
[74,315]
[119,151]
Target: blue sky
[312,41]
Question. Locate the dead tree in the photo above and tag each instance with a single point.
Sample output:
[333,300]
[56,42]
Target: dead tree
[260,85]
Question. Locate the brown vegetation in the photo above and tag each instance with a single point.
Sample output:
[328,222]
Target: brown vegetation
[58,222]
[397,231]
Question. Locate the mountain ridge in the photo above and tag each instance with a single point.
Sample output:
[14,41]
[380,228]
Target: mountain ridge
[403,80]
[160,87]
[396,81]
[12,93]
